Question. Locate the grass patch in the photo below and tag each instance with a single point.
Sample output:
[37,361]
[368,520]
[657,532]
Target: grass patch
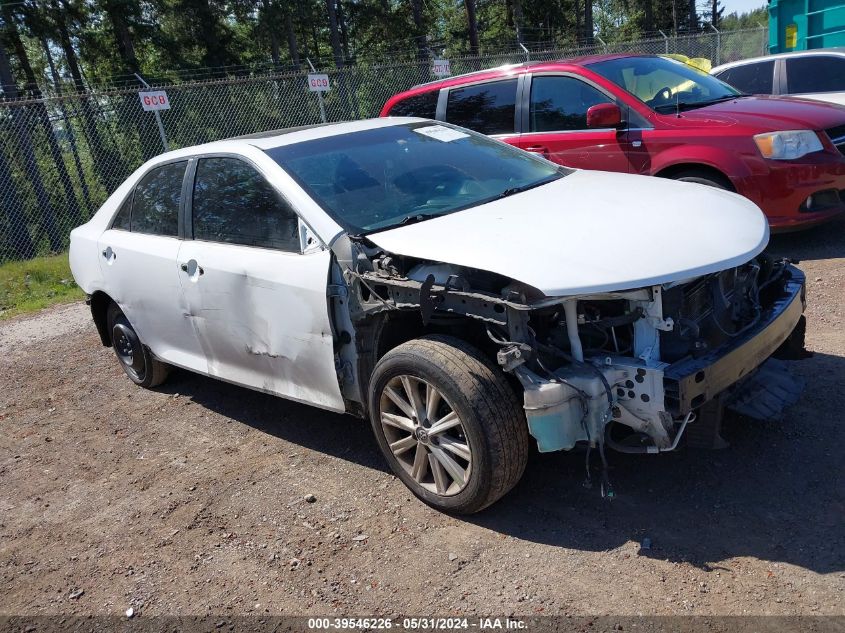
[36,283]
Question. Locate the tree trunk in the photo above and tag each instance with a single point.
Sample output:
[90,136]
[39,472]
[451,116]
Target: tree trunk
[270,19]
[125,43]
[588,22]
[293,49]
[80,172]
[648,16]
[693,16]
[472,22]
[108,162]
[517,19]
[419,30]
[344,34]
[43,117]
[578,30]
[18,233]
[30,165]
[716,14]
[334,33]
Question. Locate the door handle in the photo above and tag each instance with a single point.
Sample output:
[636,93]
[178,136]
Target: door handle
[109,254]
[187,265]
[538,149]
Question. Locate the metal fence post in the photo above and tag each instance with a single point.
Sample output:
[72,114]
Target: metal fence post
[158,117]
[527,54]
[718,44]
[319,93]
[602,42]
[665,39]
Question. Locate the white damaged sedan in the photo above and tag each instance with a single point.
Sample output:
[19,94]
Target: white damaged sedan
[463,295]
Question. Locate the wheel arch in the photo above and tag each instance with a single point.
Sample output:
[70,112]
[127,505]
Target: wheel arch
[707,170]
[389,330]
[99,302]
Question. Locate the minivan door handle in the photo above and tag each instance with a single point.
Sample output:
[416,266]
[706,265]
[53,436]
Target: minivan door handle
[538,149]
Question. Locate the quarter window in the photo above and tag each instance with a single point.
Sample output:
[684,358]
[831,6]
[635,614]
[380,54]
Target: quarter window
[753,79]
[122,219]
[561,103]
[233,203]
[815,73]
[487,108]
[155,208]
[424,105]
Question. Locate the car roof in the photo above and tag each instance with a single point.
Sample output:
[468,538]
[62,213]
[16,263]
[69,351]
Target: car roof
[837,50]
[522,67]
[286,136]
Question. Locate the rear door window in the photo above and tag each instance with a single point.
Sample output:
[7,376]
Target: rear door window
[155,206]
[233,203]
[488,108]
[753,79]
[815,73]
[561,103]
[423,105]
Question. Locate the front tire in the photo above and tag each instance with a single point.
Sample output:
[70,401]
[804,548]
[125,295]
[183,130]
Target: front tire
[448,423]
[702,177]
[134,357]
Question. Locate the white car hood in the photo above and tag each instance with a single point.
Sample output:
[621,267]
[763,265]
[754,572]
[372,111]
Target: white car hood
[593,232]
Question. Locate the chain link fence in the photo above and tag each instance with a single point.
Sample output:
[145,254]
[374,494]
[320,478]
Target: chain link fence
[62,155]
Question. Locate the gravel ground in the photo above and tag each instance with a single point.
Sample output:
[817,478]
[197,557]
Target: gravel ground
[190,499]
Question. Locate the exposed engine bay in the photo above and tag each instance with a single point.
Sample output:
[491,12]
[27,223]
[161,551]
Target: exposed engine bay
[628,369]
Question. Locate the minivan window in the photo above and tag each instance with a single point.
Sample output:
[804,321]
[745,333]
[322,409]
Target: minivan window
[155,206]
[664,84]
[423,105]
[815,73]
[754,79]
[233,203]
[488,108]
[561,103]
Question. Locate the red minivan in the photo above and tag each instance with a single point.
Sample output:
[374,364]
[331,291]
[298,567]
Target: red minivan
[656,116]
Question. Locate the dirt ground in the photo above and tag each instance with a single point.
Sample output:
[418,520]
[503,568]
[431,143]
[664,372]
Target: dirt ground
[190,500]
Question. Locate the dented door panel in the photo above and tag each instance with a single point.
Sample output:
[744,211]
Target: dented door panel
[260,317]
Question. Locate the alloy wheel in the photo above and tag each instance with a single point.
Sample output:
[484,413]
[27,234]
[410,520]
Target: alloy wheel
[425,435]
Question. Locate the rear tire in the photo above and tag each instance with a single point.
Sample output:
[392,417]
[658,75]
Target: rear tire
[702,177]
[134,357]
[448,423]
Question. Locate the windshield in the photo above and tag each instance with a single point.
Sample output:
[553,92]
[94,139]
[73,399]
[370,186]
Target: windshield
[664,84]
[393,175]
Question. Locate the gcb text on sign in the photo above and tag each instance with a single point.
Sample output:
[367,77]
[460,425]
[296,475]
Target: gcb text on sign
[318,83]
[154,100]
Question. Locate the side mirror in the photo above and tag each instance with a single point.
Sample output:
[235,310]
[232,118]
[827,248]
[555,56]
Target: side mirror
[604,115]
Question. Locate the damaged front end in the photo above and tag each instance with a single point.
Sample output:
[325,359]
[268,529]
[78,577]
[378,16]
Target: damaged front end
[628,369]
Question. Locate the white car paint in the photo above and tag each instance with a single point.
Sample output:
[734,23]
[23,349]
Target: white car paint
[593,232]
[142,273]
[259,318]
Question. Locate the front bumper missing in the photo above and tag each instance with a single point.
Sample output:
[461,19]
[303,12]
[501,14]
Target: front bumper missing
[691,382]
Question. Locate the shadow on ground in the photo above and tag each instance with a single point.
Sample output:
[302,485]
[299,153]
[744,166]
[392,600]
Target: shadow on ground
[822,242]
[775,494]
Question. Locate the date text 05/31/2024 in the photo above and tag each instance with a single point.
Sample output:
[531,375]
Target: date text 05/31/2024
[482,624]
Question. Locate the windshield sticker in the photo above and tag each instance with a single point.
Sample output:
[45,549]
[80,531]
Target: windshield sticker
[440,133]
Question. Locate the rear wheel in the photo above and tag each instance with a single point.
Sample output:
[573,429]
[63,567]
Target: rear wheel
[448,423]
[135,358]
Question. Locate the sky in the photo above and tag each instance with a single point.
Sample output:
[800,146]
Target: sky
[742,6]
